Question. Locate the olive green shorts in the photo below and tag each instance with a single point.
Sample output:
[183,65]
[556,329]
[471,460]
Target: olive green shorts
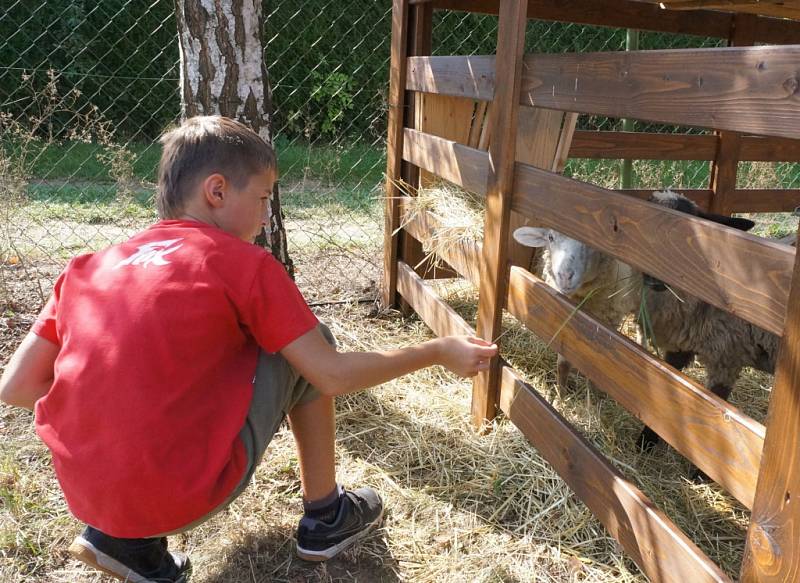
[277,388]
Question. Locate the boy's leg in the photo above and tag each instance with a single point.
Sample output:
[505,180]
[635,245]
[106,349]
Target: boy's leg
[334,518]
[313,427]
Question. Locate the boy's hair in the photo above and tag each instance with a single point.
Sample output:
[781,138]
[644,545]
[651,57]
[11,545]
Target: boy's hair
[206,145]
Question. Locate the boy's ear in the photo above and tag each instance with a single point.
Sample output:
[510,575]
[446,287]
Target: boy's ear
[215,188]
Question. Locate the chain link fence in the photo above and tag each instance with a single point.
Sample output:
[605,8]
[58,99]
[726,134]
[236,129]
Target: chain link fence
[86,89]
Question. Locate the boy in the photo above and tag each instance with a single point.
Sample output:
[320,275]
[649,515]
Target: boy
[161,367]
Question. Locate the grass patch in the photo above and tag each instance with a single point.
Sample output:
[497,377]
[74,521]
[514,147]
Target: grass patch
[355,165]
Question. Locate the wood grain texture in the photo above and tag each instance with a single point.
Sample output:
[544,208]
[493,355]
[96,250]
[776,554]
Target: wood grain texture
[773,539]
[662,551]
[464,166]
[764,201]
[394,148]
[639,15]
[733,270]
[713,434]
[752,89]
[724,168]
[439,317]
[650,146]
[420,26]
[494,267]
[643,146]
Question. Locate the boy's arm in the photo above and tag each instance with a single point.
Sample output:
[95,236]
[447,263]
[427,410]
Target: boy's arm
[338,373]
[29,374]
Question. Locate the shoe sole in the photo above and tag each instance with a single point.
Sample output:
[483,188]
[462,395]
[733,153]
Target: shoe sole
[329,553]
[87,553]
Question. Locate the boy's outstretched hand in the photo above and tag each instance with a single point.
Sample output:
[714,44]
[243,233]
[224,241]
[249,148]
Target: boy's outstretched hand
[466,356]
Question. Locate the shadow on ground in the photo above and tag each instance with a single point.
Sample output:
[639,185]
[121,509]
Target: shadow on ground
[270,558]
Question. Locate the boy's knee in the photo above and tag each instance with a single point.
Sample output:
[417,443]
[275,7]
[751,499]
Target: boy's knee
[326,332]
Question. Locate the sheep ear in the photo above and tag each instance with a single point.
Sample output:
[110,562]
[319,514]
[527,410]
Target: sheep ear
[531,236]
[735,222]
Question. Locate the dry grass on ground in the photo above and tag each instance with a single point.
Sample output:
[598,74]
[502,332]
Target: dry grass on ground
[460,506]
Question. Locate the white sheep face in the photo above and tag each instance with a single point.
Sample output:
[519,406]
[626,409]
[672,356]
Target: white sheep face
[573,265]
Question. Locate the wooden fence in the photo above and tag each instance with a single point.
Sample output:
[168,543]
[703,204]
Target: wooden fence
[751,96]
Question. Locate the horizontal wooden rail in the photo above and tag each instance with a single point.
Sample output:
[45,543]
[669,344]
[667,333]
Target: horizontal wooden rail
[652,146]
[716,436]
[627,14]
[764,201]
[659,547]
[643,146]
[703,427]
[439,317]
[461,165]
[744,89]
[736,271]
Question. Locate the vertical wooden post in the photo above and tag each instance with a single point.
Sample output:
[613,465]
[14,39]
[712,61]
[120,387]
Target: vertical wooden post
[394,148]
[773,539]
[726,162]
[494,267]
[420,41]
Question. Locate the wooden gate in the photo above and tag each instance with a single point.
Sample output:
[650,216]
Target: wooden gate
[751,96]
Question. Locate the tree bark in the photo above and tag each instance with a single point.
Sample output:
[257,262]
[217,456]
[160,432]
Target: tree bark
[223,73]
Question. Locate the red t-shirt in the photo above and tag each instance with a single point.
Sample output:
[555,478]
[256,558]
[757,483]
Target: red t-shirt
[159,340]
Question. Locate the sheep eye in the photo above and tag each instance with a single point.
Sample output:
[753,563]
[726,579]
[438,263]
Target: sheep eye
[551,237]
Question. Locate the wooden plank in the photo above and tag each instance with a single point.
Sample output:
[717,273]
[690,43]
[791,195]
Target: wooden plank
[733,270]
[726,163]
[476,130]
[419,44]
[749,7]
[713,434]
[643,146]
[745,89]
[616,13]
[639,15]
[494,267]
[565,142]
[773,539]
[446,117]
[463,166]
[394,148]
[662,551]
[757,148]
[750,89]
[439,317]
[764,201]
[650,146]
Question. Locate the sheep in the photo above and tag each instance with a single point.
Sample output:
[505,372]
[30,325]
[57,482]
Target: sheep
[685,327]
[682,326]
[602,285]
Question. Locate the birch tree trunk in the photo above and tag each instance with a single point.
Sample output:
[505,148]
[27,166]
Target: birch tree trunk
[223,73]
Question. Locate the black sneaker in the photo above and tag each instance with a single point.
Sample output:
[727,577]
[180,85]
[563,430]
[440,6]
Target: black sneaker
[359,511]
[138,560]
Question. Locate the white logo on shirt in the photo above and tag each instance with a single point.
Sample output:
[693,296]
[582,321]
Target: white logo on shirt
[152,254]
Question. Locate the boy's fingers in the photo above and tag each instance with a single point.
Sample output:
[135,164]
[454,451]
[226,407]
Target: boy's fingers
[478,341]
